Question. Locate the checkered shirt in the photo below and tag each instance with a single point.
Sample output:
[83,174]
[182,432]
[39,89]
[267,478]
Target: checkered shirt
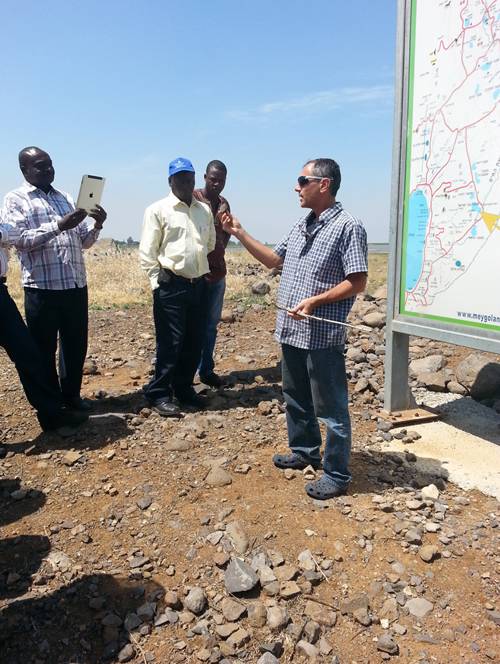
[317,258]
[50,259]
[5,230]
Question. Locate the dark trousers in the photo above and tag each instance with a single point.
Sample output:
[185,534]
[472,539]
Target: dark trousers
[50,313]
[179,325]
[315,388]
[23,352]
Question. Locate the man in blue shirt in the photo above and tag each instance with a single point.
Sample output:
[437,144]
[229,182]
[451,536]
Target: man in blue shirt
[325,265]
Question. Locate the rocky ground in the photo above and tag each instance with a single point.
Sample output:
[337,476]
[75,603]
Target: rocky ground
[149,540]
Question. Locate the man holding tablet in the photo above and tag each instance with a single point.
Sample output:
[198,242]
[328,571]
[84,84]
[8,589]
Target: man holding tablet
[22,350]
[51,236]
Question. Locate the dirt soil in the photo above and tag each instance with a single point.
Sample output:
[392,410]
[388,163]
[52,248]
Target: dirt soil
[76,548]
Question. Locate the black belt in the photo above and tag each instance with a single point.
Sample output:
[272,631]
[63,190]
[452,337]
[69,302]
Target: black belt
[166,276]
[3,280]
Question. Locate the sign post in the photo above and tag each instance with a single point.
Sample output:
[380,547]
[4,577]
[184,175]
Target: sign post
[444,261]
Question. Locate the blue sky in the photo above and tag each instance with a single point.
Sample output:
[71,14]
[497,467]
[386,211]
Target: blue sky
[120,88]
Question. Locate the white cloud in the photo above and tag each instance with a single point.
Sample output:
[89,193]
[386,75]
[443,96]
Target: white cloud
[318,102]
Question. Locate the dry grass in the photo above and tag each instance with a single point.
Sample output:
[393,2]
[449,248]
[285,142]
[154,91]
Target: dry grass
[116,280]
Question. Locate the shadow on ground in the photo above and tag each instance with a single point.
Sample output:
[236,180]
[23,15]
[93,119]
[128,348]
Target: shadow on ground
[472,417]
[79,622]
[375,471]
[101,430]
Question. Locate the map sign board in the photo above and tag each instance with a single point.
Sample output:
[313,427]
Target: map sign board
[444,266]
[451,242]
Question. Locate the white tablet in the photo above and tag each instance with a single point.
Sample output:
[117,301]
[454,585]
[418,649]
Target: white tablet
[90,192]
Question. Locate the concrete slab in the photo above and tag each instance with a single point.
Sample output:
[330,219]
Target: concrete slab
[466,442]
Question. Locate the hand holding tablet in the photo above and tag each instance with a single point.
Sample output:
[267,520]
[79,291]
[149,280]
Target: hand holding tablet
[90,192]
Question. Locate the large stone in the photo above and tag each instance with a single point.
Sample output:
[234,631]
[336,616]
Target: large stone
[196,601]
[218,477]
[435,381]
[480,375]
[261,288]
[430,492]
[239,577]
[227,316]
[232,610]
[257,614]
[277,617]
[238,638]
[428,364]
[177,445]
[237,536]
[268,658]
[320,614]
[374,319]
[350,605]
[308,650]
[428,552]
[419,607]
[386,644]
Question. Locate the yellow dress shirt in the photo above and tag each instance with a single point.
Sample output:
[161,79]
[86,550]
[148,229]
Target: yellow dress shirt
[177,237]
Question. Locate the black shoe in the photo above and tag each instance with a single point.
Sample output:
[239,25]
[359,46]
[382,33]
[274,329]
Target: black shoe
[64,418]
[78,404]
[294,461]
[190,398]
[212,380]
[166,408]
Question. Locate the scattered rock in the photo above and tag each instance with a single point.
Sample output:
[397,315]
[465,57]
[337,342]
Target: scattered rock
[217,476]
[385,643]
[196,601]
[419,607]
[239,577]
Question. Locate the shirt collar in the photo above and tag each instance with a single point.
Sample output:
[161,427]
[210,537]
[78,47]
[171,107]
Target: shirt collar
[329,214]
[29,188]
[176,201]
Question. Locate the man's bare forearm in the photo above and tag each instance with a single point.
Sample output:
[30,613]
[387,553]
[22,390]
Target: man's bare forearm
[352,285]
[263,254]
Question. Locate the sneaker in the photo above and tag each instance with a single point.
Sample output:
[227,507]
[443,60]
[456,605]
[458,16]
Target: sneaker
[294,461]
[212,380]
[166,408]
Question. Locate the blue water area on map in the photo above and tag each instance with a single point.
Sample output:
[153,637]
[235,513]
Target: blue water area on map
[475,207]
[496,93]
[473,231]
[486,66]
[418,218]
[458,263]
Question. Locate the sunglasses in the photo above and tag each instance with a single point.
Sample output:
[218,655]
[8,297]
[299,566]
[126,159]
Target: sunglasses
[302,180]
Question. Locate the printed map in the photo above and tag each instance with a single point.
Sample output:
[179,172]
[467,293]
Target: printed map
[451,238]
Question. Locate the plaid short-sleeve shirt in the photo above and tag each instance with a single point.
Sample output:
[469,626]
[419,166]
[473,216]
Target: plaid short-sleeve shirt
[316,257]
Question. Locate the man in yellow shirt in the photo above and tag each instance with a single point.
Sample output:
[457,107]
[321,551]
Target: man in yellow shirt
[177,234]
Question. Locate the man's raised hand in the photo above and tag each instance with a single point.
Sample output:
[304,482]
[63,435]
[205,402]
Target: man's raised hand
[72,219]
[230,224]
[99,214]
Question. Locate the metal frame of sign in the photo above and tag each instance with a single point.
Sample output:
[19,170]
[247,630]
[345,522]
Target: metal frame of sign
[400,326]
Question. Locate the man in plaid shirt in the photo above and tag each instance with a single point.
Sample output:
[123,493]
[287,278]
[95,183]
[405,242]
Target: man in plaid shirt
[325,265]
[49,235]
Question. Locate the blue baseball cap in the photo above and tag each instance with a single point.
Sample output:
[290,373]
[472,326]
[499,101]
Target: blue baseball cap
[178,165]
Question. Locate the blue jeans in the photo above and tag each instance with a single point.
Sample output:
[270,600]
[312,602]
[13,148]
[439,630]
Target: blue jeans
[315,388]
[214,301]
